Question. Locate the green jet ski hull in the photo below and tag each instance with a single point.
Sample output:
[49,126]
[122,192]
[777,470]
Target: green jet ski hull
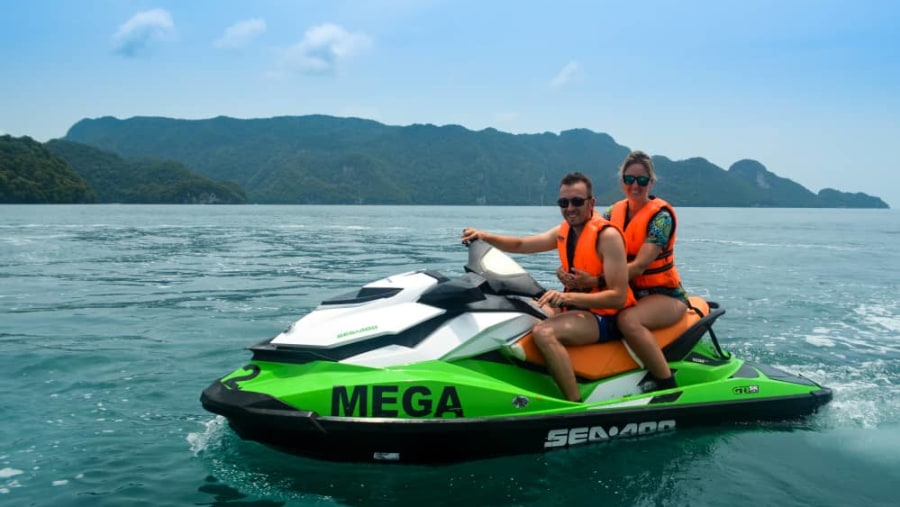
[484,407]
[421,368]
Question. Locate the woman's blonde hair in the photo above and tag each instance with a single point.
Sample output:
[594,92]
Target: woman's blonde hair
[638,157]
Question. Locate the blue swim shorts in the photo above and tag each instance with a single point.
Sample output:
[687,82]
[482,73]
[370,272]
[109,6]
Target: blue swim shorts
[609,331]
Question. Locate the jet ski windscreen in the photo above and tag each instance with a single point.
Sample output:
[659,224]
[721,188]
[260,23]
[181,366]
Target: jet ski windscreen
[504,275]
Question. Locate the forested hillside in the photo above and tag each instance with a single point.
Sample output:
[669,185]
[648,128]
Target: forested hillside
[145,180]
[29,173]
[328,160]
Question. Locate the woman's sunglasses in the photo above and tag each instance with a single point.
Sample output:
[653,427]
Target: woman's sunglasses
[576,201]
[642,181]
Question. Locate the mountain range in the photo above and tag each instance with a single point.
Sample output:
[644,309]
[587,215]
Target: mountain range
[319,159]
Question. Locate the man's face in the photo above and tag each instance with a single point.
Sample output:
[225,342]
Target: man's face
[576,216]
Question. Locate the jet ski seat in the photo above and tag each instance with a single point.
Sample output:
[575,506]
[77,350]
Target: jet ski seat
[600,360]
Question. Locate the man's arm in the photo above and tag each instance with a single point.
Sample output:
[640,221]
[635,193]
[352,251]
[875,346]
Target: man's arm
[542,242]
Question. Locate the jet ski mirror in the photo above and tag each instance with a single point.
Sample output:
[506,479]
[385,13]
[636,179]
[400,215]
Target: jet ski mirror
[503,275]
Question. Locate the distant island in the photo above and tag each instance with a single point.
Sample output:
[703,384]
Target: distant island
[320,159]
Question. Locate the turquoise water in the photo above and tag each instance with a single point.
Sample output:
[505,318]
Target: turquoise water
[113,319]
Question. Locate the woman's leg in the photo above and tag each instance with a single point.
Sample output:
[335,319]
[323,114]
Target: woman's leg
[655,311]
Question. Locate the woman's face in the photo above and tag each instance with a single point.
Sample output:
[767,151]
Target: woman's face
[632,178]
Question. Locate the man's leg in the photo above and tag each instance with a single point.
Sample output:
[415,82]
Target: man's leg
[551,336]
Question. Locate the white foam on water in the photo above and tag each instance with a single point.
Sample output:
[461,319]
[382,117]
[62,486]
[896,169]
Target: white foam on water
[879,315]
[348,227]
[856,338]
[865,398]
[6,473]
[18,241]
[745,244]
[61,482]
[819,341]
[854,412]
[865,392]
[213,429]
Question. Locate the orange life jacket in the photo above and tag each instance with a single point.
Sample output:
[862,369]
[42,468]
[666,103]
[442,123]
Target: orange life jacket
[661,272]
[586,258]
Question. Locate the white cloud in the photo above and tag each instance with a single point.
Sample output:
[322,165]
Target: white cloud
[142,30]
[241,33]
[566,75]
[322,48]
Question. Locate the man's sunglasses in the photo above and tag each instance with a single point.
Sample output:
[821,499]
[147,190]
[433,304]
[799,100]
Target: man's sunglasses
[576,201]
[641,180]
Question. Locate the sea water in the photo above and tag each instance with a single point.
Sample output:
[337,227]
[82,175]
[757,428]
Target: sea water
[114,318]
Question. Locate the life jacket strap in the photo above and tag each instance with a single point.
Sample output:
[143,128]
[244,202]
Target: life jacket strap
[662,269]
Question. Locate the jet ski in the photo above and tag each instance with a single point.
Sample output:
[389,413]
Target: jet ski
[421,368]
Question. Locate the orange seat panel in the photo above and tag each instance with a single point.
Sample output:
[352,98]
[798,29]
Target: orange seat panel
[599,360]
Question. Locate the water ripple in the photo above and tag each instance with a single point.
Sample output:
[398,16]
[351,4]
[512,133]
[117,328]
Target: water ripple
[114,318]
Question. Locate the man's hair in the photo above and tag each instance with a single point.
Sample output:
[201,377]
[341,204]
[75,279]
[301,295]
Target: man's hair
[577,177]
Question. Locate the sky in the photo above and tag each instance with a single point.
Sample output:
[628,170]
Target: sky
[809,88]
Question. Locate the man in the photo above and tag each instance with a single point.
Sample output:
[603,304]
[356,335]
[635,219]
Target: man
[586,242]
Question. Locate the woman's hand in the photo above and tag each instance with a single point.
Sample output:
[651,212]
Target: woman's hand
[576,279]
[564,277]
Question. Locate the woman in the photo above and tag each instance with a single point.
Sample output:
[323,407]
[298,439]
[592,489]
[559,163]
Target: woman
[649,224]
